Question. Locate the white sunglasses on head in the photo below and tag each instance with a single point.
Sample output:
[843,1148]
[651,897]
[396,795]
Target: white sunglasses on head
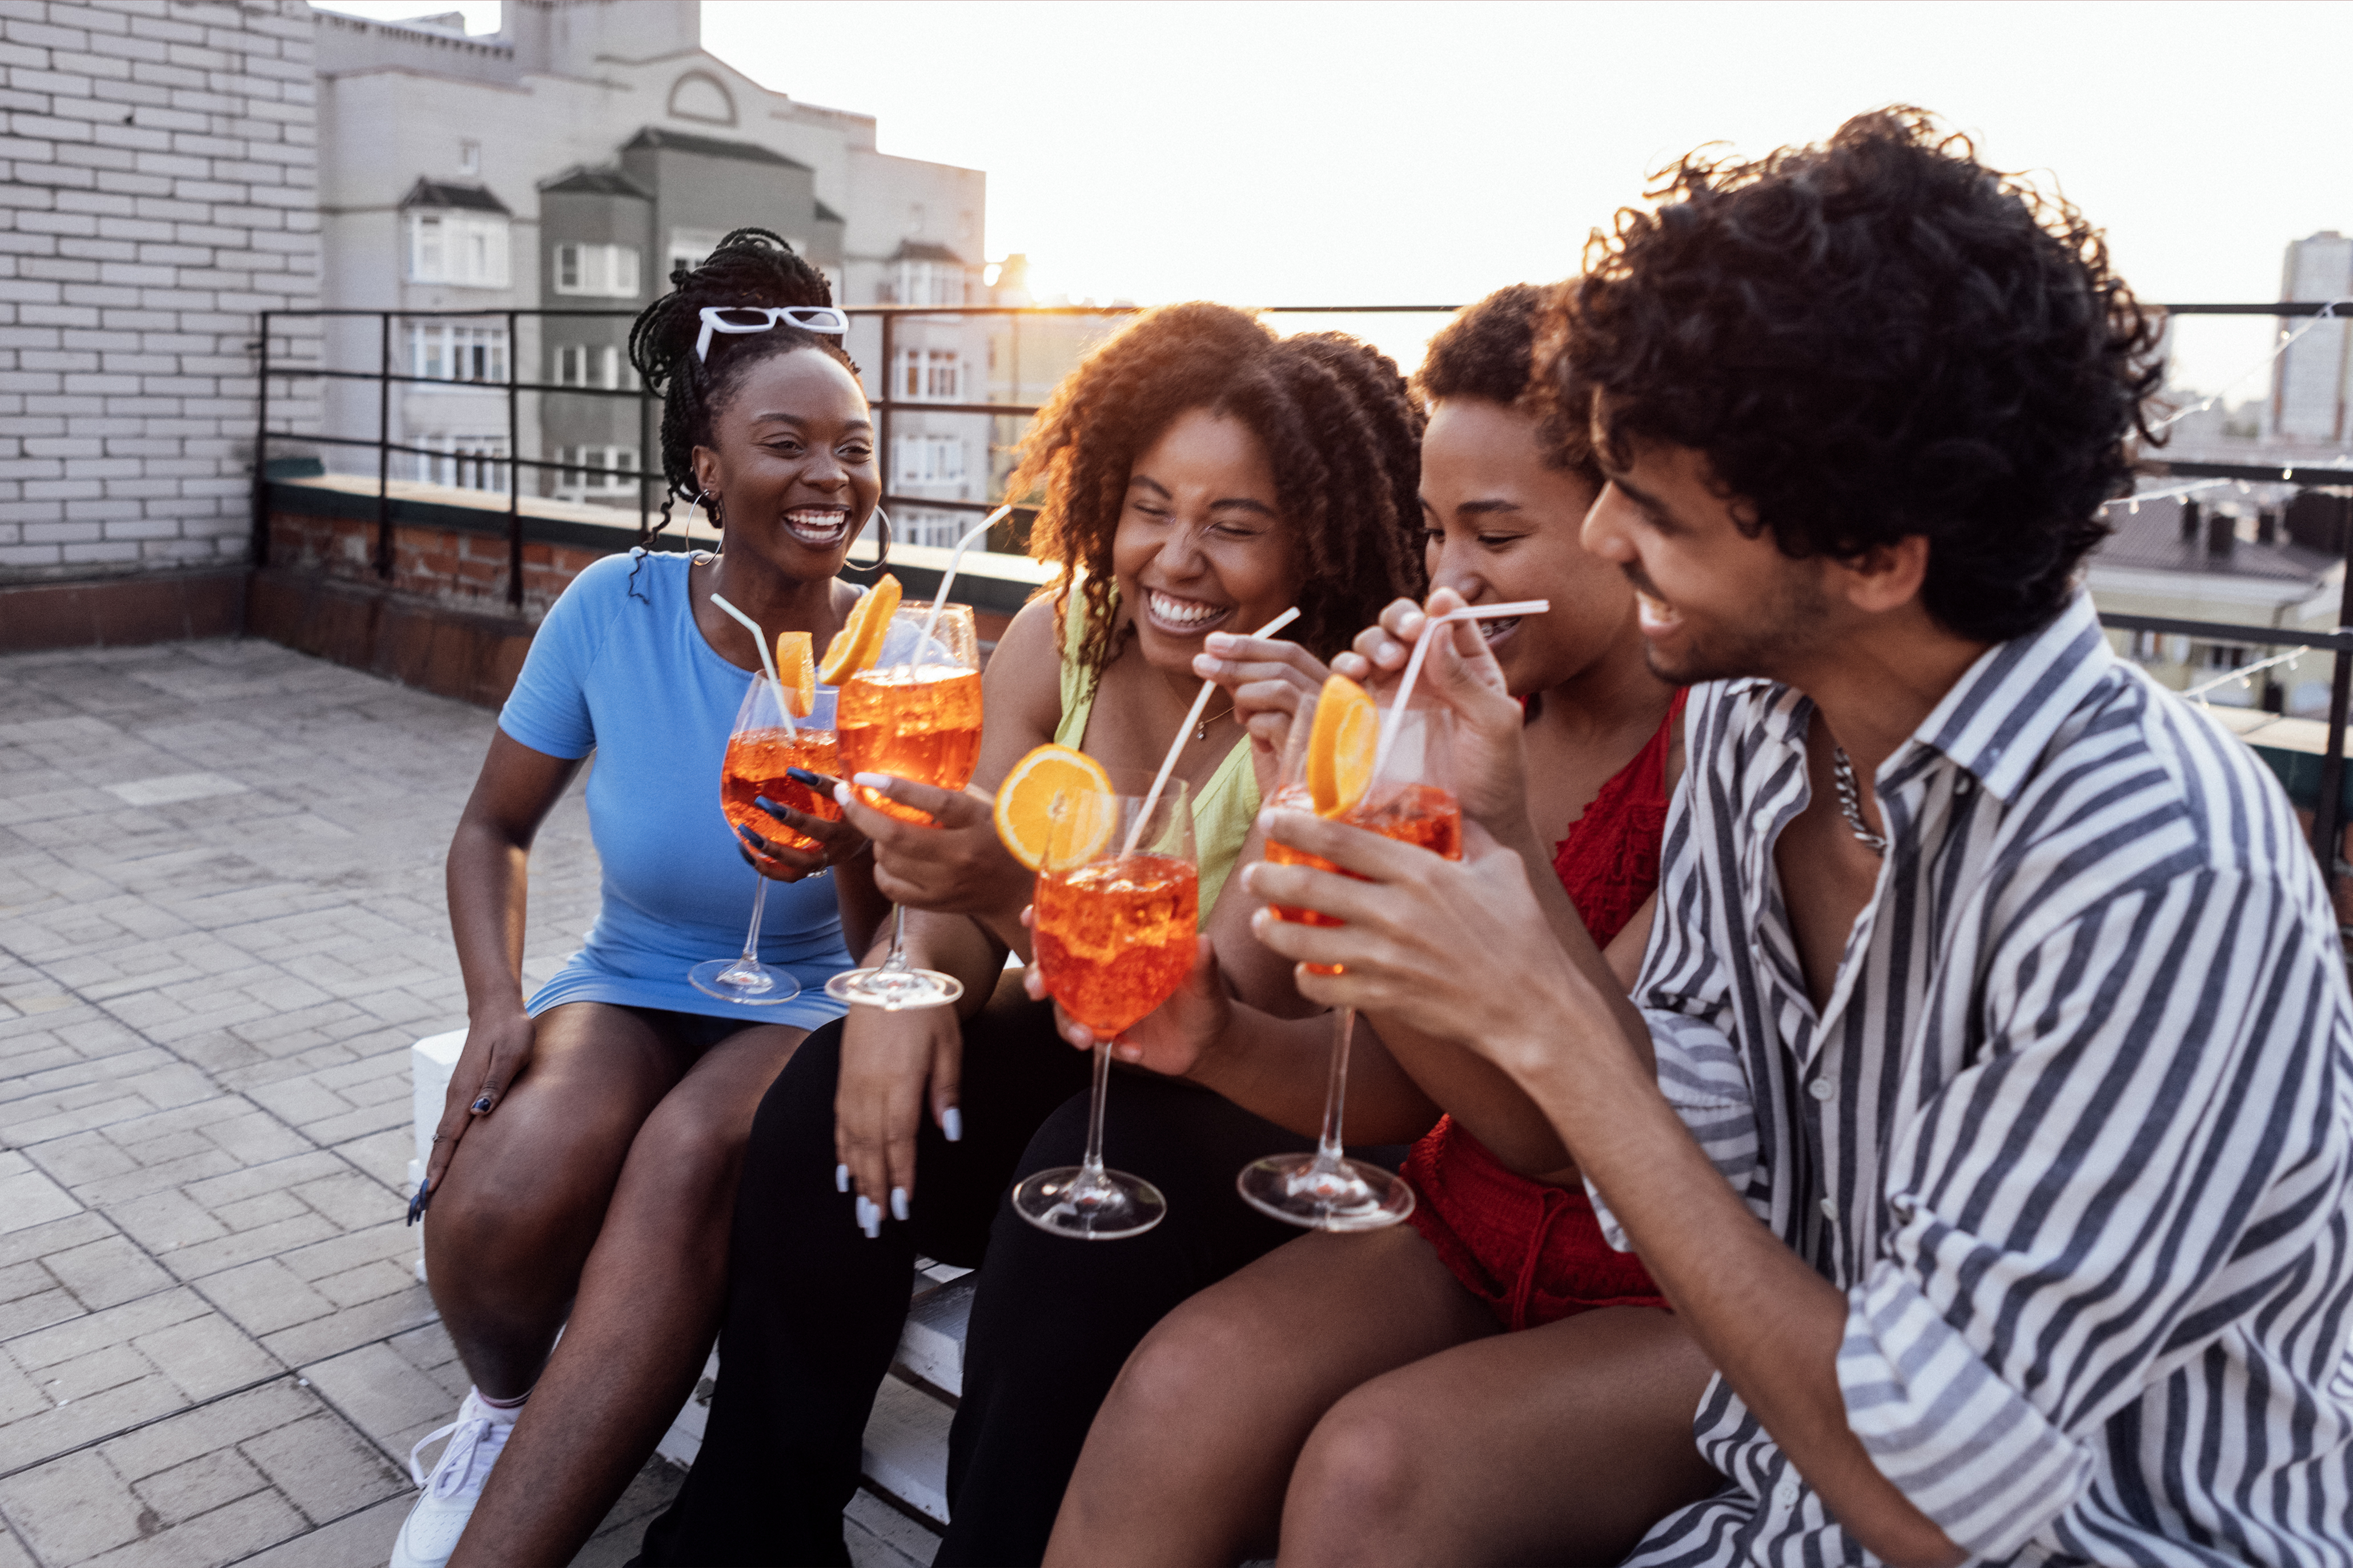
[762,318]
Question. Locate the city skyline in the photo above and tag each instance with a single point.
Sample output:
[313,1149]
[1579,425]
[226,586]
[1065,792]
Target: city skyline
[1410,153]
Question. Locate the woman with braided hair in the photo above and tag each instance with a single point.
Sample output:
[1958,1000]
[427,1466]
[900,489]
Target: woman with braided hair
[1199,475]
[586,1159]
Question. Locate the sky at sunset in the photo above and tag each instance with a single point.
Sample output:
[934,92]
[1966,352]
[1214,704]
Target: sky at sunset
[1286,153]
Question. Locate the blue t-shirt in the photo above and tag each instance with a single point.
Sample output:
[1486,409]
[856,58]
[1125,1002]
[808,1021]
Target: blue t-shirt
[618,667]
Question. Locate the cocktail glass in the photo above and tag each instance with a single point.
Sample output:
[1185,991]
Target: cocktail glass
[759,751]
[914,714]
[1411,800]
[1113,926]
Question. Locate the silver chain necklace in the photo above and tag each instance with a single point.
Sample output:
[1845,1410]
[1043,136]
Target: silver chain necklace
[1850,793]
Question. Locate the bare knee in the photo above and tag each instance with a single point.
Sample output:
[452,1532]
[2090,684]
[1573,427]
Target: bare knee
[1357,1483]
[1178,1368]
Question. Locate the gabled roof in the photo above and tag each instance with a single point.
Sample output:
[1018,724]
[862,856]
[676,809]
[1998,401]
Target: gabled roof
[581,180]
[709,146]
[827,214]
[436,193]
[918,250]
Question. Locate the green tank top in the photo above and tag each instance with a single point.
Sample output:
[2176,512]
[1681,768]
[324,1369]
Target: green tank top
[1223,808]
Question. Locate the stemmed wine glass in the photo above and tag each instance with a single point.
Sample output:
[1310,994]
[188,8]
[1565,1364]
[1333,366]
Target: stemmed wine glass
[915,714]
[759,750]
[1410,799]
[1114,925]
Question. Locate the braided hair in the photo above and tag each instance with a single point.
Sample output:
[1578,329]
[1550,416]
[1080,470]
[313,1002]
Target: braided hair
[1487,351]
[749,267]
[1340,432]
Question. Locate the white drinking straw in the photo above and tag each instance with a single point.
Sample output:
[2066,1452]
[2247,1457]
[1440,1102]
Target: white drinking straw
[940,597]
[1421,651]
[767,660]
[1192,717]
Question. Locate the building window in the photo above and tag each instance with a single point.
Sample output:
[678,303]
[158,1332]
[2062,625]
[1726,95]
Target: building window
[466,250]
[444,351]
[595,470]
[930,375]
[926,283]
[606,272]
[928,459]
[585,364]
[466,462]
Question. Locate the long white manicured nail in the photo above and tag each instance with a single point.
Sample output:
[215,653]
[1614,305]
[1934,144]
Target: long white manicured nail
[842,1178]
[842,795]
[873,781]
[952,1125]
[899,1204]
[870,1217]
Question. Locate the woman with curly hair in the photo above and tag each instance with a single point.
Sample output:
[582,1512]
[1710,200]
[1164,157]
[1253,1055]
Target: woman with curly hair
[1199,474]
[1513,1345]
[586,1163]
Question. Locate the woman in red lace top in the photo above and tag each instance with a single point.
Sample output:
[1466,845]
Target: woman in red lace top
[1491,1382]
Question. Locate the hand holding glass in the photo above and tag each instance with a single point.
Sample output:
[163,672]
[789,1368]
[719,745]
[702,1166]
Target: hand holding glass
[1410,799]
[1113,927]
[914,714]
[759,751]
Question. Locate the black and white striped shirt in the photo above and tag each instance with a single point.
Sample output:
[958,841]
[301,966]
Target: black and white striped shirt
[2075,1133]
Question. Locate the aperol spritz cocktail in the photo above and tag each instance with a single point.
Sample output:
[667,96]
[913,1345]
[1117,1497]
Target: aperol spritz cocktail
[1417,813]
[1409,800]
[1113,926]
[755,766]
[921,722]
[914,714]
[1114,939]
[763,744]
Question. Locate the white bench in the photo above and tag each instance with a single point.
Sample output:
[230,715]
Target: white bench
[906,1448]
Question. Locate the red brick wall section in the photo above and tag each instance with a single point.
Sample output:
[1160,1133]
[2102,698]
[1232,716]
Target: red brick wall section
[448,566]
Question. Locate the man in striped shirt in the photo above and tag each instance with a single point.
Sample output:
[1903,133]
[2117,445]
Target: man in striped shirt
[1986,1102]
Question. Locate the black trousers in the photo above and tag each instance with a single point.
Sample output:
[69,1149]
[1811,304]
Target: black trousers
[814,1308]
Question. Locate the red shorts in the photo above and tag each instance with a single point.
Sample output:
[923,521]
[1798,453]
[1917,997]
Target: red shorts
[1533,1252]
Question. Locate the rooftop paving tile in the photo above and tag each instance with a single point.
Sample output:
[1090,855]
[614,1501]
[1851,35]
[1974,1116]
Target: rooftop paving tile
[212,1344]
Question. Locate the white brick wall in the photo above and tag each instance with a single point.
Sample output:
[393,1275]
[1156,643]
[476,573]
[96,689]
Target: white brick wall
[158,188]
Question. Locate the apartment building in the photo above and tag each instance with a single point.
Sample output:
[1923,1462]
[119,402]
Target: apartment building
[570,163]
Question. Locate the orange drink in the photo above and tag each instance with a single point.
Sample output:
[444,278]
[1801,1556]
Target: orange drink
[921,722]
[1115,938]
[1416,814]
[754,766]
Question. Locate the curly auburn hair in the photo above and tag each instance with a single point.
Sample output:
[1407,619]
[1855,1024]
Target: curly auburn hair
[748,266]
[1868,340]
[1341,433]
[1487,350]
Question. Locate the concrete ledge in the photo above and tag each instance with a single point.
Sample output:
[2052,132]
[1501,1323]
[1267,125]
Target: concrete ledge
[122,610]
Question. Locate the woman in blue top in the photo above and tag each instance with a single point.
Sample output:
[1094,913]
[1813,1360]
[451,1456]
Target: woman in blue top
[584,1169]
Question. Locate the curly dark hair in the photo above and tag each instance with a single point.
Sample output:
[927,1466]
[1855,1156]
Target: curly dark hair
[748,266]
[1487,350]
[1340,431]
[1869,339]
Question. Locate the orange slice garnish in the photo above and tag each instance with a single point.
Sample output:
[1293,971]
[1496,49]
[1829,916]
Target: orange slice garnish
[859,643]
[1340,748]
[796,669]
[1025,807]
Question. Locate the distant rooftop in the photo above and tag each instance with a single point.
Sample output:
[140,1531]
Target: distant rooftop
[584,181]
[709,146]
[920,250]
[2149,538]
[439,194]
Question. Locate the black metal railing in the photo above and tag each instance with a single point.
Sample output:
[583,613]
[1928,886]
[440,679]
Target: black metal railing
[2336,476]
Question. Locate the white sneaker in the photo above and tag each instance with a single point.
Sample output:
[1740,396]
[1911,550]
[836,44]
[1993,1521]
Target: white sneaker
[455,1485]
